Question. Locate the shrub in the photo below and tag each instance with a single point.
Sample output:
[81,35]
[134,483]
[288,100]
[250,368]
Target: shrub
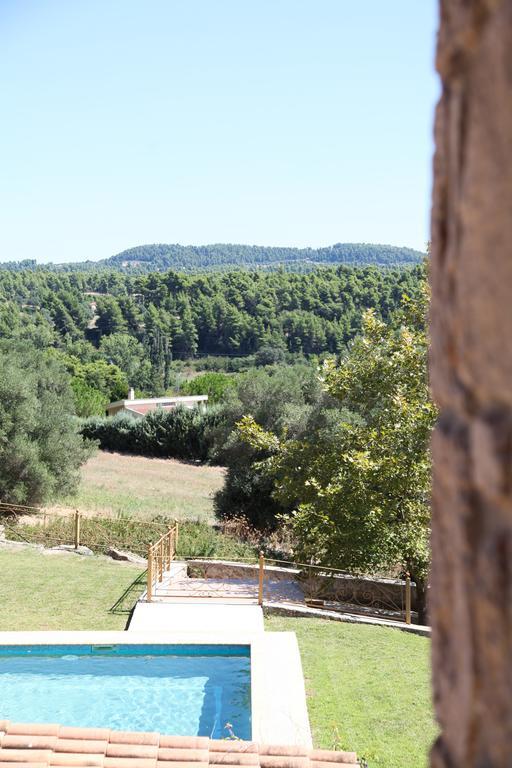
[213,384]
[40,448]
[180,434]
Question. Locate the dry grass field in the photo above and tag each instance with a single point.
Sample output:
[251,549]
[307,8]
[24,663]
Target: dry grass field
[115,484]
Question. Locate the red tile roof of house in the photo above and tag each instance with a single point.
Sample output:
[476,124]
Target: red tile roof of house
[29,745]
[146,408]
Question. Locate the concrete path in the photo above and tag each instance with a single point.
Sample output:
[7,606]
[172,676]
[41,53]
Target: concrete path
[197,616]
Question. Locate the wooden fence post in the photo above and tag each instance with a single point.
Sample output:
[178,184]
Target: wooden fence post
[407,599]
[149,593]
[77,529]
[175,537]
[260,580]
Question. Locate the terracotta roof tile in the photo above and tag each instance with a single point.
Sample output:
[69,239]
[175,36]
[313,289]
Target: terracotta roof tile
[27,741]
[129,762]
[76,759]
[81,745]
[289,751]
[185,742]
[330,764]
[4,764]
[94,734]
[132,750]
[283,761]
[181,764]
[229,745]
[136,737]
[234,758]
[33,729]
[171,754]
[36,745]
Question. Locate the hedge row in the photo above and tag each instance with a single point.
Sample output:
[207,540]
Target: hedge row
[180,434]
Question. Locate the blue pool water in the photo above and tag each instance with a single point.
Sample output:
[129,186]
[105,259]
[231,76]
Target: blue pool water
[176,690]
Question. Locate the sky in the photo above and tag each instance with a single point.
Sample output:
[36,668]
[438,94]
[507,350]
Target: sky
[268,122]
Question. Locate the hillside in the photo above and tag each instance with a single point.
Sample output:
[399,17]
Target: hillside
[193,258]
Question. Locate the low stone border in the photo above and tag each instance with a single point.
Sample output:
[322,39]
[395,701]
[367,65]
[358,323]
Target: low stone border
[297,611]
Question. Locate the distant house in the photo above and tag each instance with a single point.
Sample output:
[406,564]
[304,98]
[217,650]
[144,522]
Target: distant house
[139,407]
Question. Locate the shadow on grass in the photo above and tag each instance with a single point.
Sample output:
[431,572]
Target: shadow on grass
[126,602]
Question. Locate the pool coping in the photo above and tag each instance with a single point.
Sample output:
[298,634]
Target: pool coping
[275,667]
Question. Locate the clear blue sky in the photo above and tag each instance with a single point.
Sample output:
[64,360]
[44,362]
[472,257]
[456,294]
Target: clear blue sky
[271,122]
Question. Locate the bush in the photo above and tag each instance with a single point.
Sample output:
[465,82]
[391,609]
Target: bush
[180,434]
[270,355]
[40,448]
[228,364]
[213,384]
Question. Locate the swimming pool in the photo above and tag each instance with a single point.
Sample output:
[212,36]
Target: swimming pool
[174,689]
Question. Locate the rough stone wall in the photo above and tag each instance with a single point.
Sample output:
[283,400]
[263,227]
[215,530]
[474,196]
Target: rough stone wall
[471,374]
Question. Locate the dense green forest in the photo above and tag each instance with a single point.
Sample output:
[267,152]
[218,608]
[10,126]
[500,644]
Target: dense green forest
[110,329]
[192,258]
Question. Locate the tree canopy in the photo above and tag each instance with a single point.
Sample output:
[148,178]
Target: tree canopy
[359,484]
[192,258]
[41,449]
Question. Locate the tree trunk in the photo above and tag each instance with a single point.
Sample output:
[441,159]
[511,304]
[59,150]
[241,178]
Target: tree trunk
[471,374]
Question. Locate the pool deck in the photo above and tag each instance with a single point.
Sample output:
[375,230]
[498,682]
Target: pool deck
[197,616]
[278,699]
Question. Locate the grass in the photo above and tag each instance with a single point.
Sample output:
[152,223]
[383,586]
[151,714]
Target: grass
[115,484]
[368,687]
[61,591]
[368,690]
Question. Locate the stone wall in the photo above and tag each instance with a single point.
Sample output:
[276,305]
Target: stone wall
[471,374]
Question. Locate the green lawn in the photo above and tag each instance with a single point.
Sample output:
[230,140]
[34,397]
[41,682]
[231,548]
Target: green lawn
[368,689]
[61,591]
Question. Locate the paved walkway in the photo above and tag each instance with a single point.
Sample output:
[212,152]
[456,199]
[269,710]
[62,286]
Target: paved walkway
[207,616]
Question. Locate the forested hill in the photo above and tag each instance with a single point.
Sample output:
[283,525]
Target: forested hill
[110,329]
[193,258]
[149,258]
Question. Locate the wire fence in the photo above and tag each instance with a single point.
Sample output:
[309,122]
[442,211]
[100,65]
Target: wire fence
[38,526]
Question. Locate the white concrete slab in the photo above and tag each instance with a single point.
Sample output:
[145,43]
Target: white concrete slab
[197,616]
[280,694]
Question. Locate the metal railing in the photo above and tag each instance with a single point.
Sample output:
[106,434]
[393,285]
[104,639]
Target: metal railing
[322,586]
[318,586]
[327,587]
[200,582]
[160,556]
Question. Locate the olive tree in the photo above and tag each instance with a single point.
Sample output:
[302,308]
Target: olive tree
[41,449]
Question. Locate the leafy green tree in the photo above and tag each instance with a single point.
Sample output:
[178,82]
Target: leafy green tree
[129,355]
[360,492]
[88,400]
[110,317]
[184,342]
[40,448]
[279,398]
[213,384]
[269,354]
